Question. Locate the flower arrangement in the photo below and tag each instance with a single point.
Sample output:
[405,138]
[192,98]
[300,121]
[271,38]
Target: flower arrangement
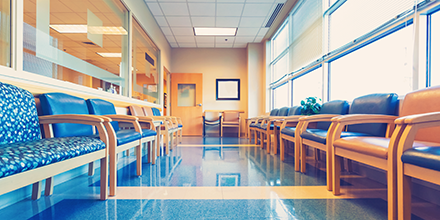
[310,106]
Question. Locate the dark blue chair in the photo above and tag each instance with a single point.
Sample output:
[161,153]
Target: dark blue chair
[255,124]
[364,136]
[29,159]
[177,124]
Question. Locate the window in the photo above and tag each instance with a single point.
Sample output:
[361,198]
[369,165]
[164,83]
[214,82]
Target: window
[281,96]
[5,33]
[280,68]
[362,17]
[307,85]
[145,75]
[281,41]
[435,49]
[380,67]
[84,43]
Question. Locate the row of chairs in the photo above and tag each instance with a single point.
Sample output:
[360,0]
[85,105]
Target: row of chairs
[373,130]
[228,118]
[76,132]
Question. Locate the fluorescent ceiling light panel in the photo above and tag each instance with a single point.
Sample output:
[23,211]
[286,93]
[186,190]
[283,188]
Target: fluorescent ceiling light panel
[82,29]
[69,28]
[109,54]
[215,31]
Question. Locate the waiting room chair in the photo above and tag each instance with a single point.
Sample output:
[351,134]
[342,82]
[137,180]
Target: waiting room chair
[256,123]
[266,129]
[366,135]
[211,118]
[230,118]
[177,123]
[28,159]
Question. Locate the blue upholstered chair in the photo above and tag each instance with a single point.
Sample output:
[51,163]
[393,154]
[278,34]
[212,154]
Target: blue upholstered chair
[317,137]
[267,128]
[255,125]
[177,123]
[418,149]
[364,135]
[127,138]
[28,159]
[168,129]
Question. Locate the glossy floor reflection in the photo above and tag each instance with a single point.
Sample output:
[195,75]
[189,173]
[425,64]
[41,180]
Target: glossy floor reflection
[212,178]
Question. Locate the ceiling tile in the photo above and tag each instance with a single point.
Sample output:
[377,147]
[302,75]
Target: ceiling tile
[174,8]
[166,30]
[205,40]
[244,39]
[224,45]
[202,9]
[170,38]
[258,39]
[185,31]
[207,0]
[179,21]
[211,45]
[185,39]
[154,8]
[255,9]
[171,0]
[203,21]
[174,45]
[161,21]
[230,40]
[146,1]
[227,21]
[262,32]
[187,45]
[247,31]
[229,9]
[252,21]
[259,1]
[233,1]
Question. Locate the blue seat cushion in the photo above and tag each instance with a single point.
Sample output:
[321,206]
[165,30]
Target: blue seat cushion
[180,125]
[264,127]
[126,136]
[427,157]
[254,125]
[22,156]
[289,131]
[320,136]
[148,133]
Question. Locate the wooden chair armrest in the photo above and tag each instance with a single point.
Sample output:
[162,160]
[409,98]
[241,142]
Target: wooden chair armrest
[318,117]
[73,118]
[363,118]
[419,118]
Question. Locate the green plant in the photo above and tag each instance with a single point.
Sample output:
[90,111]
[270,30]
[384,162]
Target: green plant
[310,106]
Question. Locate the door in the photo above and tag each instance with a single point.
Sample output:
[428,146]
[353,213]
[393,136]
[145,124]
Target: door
[186,101]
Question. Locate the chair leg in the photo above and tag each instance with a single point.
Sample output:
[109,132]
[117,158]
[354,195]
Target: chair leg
[104,178]
[36,190]
[91,169]
[113,171]
[48,190]
[336,175]
[282,149]
[303,152]
[269,143]
[138,160]
[255,137]
[239,134]
[403,194]
[167,144]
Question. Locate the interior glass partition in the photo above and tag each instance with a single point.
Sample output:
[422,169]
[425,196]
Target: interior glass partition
[5,33]
[82,42]
[145,73]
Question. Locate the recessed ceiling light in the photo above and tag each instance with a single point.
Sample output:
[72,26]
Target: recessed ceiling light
[109,54]
[82,29]
[215,31]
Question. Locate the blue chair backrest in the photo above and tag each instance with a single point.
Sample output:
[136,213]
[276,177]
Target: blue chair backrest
[61,103]
[384,103]
[156,112]
[336,107]
[295,110]
[274,112]
[19,118]
[283,111]
[102,107]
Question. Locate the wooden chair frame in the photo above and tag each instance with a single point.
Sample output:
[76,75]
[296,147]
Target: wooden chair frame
[290,121]
[229,126]
[339,123]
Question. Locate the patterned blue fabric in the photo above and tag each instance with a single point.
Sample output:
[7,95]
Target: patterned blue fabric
[22,156]
[18,115]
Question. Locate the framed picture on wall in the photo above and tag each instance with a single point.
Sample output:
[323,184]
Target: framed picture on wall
[227,89]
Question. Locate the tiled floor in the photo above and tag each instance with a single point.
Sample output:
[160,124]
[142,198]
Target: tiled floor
[212,178]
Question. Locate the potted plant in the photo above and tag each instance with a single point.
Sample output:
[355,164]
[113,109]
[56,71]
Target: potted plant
[310,106]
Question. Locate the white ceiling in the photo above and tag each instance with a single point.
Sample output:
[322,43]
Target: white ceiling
[177,18]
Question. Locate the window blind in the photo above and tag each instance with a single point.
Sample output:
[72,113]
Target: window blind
[355,18]
[306,33]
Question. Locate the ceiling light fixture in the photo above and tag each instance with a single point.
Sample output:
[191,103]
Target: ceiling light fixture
[215,31]
[82,29]
[109,54]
